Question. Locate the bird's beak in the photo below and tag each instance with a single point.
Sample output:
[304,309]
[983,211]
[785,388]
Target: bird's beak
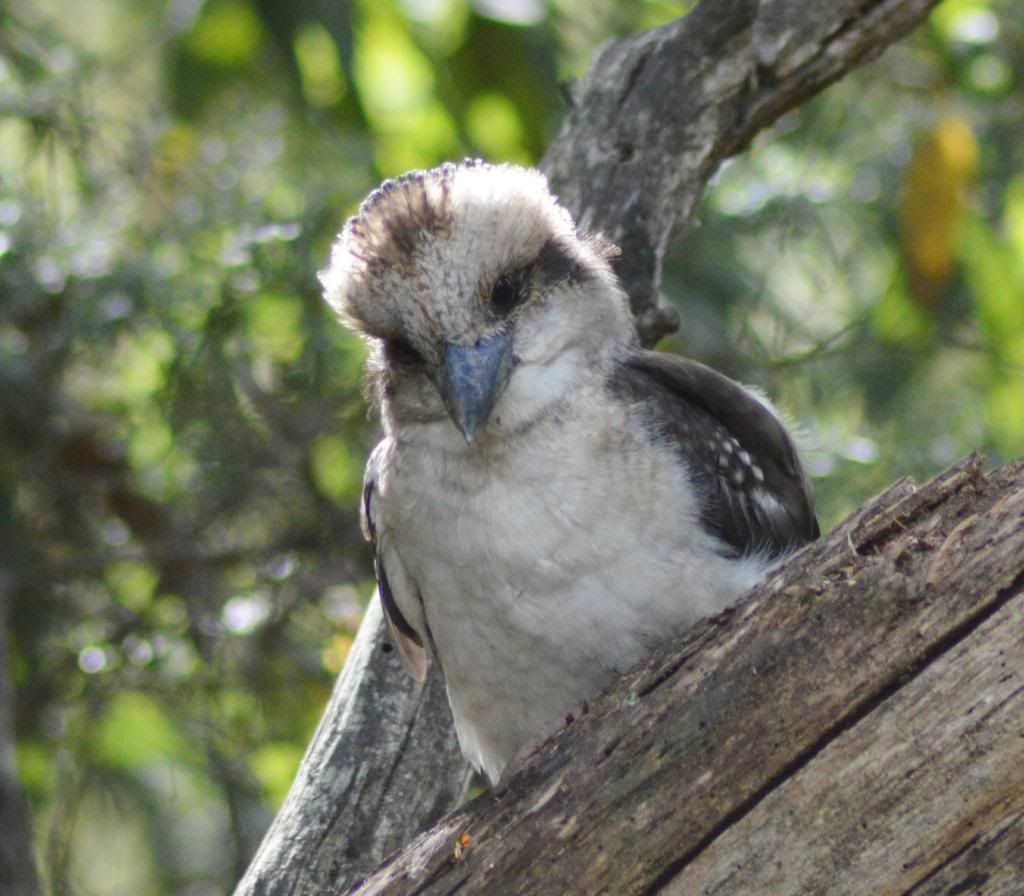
[472,378]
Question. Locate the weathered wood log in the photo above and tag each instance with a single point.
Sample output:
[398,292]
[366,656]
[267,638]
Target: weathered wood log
[856,725]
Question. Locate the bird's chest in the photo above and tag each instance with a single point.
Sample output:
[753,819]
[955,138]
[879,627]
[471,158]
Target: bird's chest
[520,564]
[558,541]
[518,520]
[543,570]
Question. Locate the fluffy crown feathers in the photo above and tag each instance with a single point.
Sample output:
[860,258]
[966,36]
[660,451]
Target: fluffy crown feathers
[495,212]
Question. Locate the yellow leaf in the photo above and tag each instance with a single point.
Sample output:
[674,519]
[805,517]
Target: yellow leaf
[937,181]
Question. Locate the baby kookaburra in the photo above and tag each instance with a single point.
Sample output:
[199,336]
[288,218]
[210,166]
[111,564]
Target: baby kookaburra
[549,501]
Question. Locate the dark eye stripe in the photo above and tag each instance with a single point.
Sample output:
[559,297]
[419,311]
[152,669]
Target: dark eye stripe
[555,261]
[401,351]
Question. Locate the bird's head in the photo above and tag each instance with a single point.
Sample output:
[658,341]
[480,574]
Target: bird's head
[481,302]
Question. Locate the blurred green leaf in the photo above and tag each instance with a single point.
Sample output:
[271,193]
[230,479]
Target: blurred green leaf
[139,365]
[337,470]
[323,82]
[36,768]
[132,583]
[393,76]
[151,440]
[396,83]
[493,124]
[1005,406]
[135,733]
[1014,218]
[899,320]
[967,20]
[275,764]
[994,271]
[275,326]
[227,33]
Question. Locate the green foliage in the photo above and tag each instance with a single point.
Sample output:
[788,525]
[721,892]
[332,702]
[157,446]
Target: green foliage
[133,732]
[182,430]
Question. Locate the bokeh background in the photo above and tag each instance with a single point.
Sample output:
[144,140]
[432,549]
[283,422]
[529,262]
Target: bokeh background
[181,429]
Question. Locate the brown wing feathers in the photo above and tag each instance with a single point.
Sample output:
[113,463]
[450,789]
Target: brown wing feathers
[755,493]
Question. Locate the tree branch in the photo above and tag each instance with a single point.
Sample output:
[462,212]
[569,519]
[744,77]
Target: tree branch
[654,117]
[658,112]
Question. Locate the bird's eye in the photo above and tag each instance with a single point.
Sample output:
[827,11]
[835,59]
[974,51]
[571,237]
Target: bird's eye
[401,351]
[506,294]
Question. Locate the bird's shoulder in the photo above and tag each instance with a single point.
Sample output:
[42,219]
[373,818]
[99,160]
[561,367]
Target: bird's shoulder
[755,495]
[391,577]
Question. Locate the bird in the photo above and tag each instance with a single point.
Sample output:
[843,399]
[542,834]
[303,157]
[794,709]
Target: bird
[549,501]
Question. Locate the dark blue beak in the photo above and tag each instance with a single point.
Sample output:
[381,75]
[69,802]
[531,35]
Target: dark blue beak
[472,378]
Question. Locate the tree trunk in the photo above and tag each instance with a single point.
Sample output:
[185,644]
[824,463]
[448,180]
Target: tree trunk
[856,725]
[654,117]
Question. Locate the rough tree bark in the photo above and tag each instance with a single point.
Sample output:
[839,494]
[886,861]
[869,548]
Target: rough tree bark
[856,725]
[650,123]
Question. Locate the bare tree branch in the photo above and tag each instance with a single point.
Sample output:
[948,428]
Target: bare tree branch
[659,111]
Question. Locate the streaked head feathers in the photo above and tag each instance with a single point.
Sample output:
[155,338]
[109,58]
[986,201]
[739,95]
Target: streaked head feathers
[427,248]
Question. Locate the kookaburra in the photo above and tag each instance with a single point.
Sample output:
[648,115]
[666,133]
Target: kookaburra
[549,501]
